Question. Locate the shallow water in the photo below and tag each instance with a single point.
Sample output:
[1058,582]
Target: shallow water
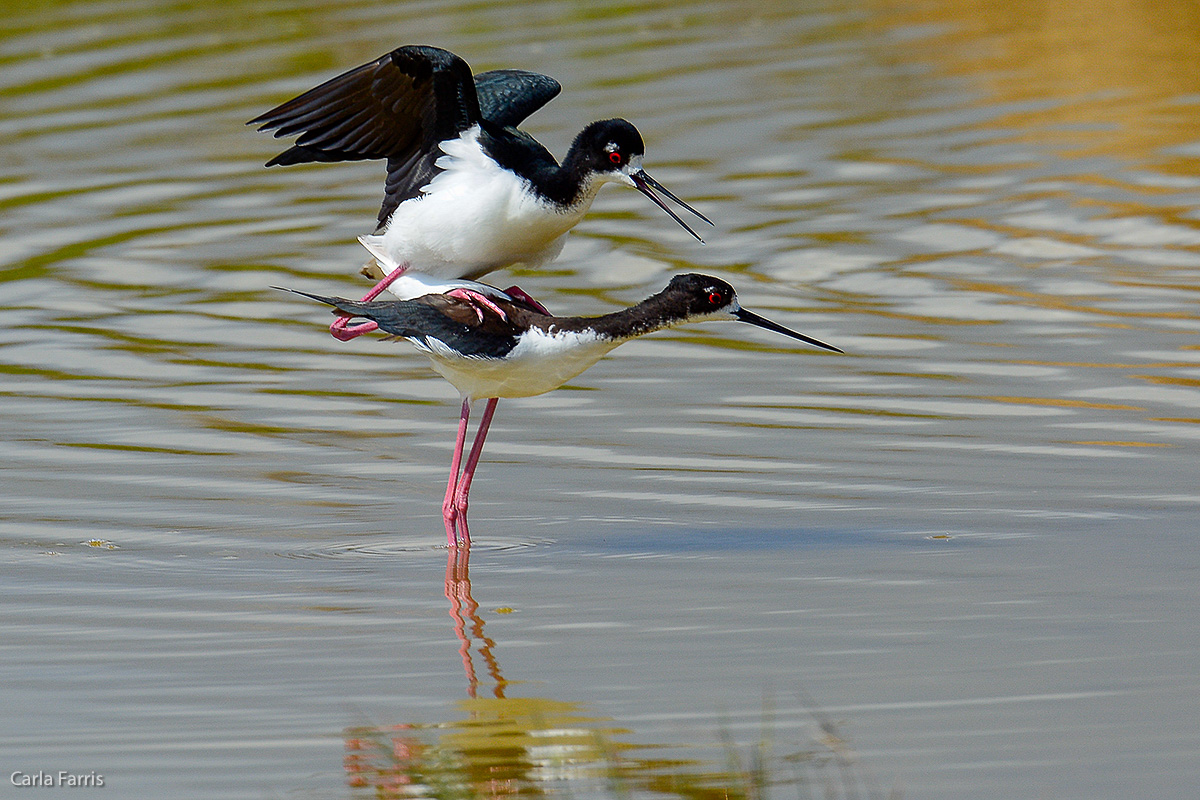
[967,546]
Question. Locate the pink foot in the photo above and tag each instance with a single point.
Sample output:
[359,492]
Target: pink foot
[343,331]
[517,293]
[476,299]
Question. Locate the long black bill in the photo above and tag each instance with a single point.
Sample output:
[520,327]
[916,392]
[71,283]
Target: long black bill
[646,185]
[754,319]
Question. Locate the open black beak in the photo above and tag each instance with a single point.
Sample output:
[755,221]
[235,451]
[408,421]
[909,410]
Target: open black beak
[754,319]
[646,185]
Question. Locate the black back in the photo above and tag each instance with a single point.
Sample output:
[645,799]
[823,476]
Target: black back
[492,329]
[399,108]
[471,328]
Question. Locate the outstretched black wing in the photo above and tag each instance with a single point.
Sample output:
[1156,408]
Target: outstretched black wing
[508,96]
[397,104]
[399,108]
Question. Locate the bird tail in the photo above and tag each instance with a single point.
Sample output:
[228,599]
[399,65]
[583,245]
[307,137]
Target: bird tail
[374,245]
[341,306]
[397,317]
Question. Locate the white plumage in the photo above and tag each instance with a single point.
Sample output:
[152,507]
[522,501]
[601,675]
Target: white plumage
[475,217]
[541,362]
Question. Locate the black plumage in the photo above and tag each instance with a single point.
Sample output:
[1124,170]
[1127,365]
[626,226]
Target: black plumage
[466,326]
[491,330]
[400,107]
[404,105]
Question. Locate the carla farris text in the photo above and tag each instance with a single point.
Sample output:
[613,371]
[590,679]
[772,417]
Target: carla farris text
[41,778]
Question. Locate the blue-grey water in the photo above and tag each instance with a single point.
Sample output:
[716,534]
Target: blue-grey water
[959,561]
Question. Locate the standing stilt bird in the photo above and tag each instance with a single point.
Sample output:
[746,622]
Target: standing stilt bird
[466,192]
[508,347]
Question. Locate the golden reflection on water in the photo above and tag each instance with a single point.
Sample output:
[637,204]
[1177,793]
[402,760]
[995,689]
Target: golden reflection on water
[1069,198]
[1115,81]
[1119,72]
[950,189]
[535,746]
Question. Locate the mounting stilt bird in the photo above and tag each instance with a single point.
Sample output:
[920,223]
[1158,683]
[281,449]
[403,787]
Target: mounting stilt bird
[508,347]
[466,192]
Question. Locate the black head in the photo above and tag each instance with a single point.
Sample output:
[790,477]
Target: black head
[612,150]
[609,146]
[703,297]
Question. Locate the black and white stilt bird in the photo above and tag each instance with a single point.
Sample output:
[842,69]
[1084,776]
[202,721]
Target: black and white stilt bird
[507,347]
[466,192]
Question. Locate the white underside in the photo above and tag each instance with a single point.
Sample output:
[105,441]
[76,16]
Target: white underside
[474,217]
[418,284]
[538,364]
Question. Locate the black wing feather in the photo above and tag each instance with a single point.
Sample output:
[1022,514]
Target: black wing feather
[399,108]
[508,96]
[450,320]
[410,97]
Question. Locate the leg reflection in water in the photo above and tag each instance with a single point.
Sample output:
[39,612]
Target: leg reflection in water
[468,625]
[495,747]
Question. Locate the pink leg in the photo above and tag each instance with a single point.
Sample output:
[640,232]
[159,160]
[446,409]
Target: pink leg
[517,293]
[449,513]
[341,328]
[464,483]
[477,299]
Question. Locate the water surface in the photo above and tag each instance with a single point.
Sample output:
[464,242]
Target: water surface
[967,547]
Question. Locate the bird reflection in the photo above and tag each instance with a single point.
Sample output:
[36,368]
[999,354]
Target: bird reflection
[509,747]
[501,746]
[464,610]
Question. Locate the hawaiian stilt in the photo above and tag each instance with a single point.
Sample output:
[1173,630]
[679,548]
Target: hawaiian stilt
[506,347]
[466,192]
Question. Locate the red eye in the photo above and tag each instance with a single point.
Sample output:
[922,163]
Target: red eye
[614,157]
[714,298]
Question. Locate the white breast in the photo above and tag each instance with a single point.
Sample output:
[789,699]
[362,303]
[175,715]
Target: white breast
[538,364]
[475,217]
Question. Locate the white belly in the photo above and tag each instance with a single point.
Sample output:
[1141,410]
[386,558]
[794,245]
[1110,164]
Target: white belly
[475,217]
[538,364]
